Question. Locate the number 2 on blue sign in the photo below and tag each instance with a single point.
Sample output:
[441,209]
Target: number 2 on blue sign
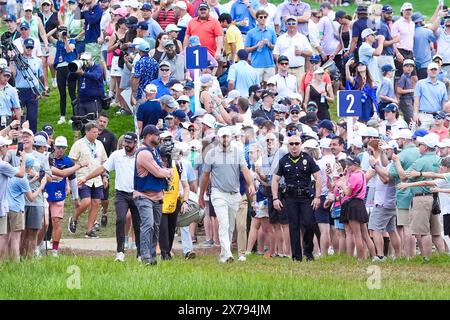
[352,102]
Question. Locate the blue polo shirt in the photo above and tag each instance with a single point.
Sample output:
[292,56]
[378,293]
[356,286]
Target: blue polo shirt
[9,99]
[384,31]
[239,12]
[357,28]
[150,112]
[154,29]
[162,88]
[422,39]
[261,58]
[244,76]
[35,65]
[431,95]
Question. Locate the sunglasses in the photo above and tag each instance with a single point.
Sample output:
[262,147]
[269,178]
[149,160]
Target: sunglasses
[191,129]
[294,143]
[61,148]
[284,63]
[182,102]
[262,17]
[315,62]
[28,10]
[22,29]
[29,47]
[291,23]
[270,140]
[45,4]
[295,112]
[164,70]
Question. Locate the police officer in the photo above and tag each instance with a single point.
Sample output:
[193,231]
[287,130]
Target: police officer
[150,179]
[297,167]
[27,82]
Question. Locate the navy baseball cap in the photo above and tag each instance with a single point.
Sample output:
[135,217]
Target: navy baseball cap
[24,25]
[295,107]
[10,17]
[130,136]
[386,9]
[150,129]
[339,14]
[142,25]
[353,160]
[189,85]
[48,128]
[146,6]
[391,107]
[387,68]
[28,43]
[180,114]
[327,124]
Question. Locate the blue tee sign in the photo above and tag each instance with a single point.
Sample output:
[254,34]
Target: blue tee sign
[196,57]
[349,103]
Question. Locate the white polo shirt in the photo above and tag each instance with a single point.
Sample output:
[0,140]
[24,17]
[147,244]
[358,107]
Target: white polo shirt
[124,167]
[286,85]
[285,46]
[37,53]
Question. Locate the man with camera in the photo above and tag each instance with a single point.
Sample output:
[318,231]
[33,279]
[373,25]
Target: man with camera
[9,35]
[9,100]
[27,86]
[90,86]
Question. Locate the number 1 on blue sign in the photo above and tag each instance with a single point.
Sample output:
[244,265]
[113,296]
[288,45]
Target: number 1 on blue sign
[196,54]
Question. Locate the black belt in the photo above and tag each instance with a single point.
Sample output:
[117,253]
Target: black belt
[422,194]
[295,67]
[427,112]
[124,192]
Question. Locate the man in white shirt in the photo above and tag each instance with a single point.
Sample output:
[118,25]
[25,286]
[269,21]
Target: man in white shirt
[24,30]
[286,83]
[295,46]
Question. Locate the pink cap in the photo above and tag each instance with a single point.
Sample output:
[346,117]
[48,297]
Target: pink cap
[121,12]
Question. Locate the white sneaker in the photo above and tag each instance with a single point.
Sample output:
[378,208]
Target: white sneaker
[62,120]
[54,83]
[37,252]
[120,256]
[378,259]
[55,253]
[139,259]
[330,251]
[242,258]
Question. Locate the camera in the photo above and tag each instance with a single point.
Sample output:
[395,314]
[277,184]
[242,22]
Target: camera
[106,102]
[63,31]
[76,65]
[41,174]
[166,149]
[78,122]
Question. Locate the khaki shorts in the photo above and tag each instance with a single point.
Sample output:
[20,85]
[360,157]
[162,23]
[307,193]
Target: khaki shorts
[297,72]
[13,221]
[403,217]
[424,223]
[265,73]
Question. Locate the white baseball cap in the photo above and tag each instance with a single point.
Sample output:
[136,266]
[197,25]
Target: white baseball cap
[444,143]
[4,141]
[27,6]
[433,65]
[369,132]
[86,56]
[178,87]
[409,62]
[3,63]
[166,134]
[183,98]
[392,144]
[297,96]
[26,130]
[151,88]
[403,134]
[224,131]
[310,143]
[195,145]
[406,6]
[209,120]
[325,143]
[134,4]
[61,142]
[357,141]
[431,140]
[367,32]
[181,5]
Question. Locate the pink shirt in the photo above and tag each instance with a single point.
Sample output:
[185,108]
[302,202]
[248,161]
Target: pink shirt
[357,183]
[405,28]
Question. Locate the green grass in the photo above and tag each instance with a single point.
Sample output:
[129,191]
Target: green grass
[204,278]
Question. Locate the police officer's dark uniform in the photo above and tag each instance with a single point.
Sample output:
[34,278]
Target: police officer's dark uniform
[297,200]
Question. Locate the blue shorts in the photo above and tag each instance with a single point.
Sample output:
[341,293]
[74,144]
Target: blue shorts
[322,214]
[90,192]
[335,214]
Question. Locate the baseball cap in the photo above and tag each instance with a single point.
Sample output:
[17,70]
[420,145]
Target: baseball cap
[6,71]
[24,25]
[146,6]
[28,43]
[419,133]
[325,143]
[48,128]
[266,93]
[283,58]
[444,143]
[142,25]
[437,56]
[291,18]
[392,144]
[296,96]
[168,43]
[432,66]
[169,116]
[178,87]
[387,68]
[242,54]
[150,129]
[353,160]
[357,141]
[391,107]
[134,4]
[440,115]
[10,17]
[406,6]
[327,124]
[143,46]
[130,136]
[386,9]
[27,131]
[4,141]
[361,9]
[61,142]
[310,143]
[183,98]
[29,161]
[123,12]
[431,140]
[205,78]
[46,1]
[367,32]
[369,132]
[168,100]
[131,21]
[180,114]
[339,14]
[409,62]
[181,5]
[203,5]
[164,63]
[86,56]
[209,120]
[151,88]
[40,141]
[136,41]
[189,85]
[224,131]
[172,27]
[417,17]
[403,134]
[295,107]
[27,6]
[194,41]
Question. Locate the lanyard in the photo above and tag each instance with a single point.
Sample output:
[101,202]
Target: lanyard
[92,149]
[46,19]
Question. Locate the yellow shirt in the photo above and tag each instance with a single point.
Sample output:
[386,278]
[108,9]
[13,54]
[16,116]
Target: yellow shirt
[233,35]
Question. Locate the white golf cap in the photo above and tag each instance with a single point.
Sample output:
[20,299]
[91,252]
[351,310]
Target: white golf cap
[4,141]
[61,142]
[310,143]
[209,120]
[172,27]
[431,140]
[224,131]
[27,6]
[432,65]
[357,141]
[85,56]
[134,4]
[444,143]
[367,32]
[325,143]
[403,134]
[181,5]
[178,87]
[409,62]
[406,6]
[27,131]
[369,132]
[195,145]
[137,40]
[151,88]
[166,134]
[392,144]
[297,96]
[183,98]
[3,63]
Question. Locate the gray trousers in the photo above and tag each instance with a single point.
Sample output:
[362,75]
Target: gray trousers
[150,213]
